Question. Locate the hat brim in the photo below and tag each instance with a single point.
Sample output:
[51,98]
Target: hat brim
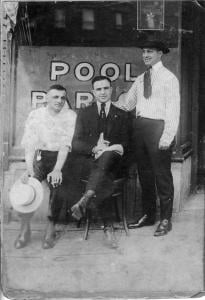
[38,198]
[154,45]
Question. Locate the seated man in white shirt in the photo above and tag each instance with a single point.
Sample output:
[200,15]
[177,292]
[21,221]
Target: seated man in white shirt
[155,96]
[47,141]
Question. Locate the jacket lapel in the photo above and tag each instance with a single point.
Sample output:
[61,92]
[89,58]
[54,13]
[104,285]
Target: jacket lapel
[111,119]
[94,118]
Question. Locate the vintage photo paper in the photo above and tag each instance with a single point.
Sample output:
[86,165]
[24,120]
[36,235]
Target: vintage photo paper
[68,43]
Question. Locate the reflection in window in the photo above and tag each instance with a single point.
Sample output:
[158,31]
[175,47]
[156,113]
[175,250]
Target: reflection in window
[60,18]
[118,20]
[88,19]
[150,15]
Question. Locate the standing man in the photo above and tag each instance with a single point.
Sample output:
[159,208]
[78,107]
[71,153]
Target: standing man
[99,142]
[47,141]
[155,96]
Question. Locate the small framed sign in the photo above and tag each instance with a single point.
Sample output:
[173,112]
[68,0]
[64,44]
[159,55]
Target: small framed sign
[150,15]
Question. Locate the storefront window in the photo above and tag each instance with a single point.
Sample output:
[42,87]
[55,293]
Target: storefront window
[150,15]
[118,20]
[88,19]
[97,23]
[60,18]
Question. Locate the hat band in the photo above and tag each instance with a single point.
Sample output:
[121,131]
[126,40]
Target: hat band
[34,197]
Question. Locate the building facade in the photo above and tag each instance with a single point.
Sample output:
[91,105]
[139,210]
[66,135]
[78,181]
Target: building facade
[70,42]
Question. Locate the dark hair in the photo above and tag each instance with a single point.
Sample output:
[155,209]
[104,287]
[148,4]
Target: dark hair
[99,78]
[57,87]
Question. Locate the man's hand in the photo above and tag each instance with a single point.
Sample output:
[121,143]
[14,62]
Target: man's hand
[163,145]
[101,144]
[100,147]
[98,150]
[55,177]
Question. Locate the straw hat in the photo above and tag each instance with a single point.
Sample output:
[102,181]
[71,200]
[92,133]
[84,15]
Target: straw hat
[26,197]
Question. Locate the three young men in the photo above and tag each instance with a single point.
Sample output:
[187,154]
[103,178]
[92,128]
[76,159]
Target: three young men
[100,141]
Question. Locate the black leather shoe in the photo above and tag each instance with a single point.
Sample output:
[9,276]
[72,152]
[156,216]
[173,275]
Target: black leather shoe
[163,228]
[78,210]
[143,221]
[49,241]
[23,240]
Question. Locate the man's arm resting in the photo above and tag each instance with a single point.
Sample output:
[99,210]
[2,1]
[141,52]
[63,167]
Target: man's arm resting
[129,100]
[29,156]
[172,114]
[55,177]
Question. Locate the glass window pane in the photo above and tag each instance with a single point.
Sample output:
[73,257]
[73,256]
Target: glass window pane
[88,19]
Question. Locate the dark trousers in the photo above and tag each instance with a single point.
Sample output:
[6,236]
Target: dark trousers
[58,202]
[102,172]
[154,167]
[100,175]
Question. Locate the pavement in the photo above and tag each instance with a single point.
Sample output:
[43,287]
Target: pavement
[143,266]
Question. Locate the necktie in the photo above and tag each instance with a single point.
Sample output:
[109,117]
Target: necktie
[102,121]
[147,83]
[102,111]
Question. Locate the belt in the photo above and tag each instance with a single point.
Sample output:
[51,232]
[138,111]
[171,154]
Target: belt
[140,117]
[47,151]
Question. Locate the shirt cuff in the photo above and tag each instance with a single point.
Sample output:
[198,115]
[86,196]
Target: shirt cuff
[66,146]
[116,148]
[166,140]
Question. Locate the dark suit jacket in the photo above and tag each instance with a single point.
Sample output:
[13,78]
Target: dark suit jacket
[86,133]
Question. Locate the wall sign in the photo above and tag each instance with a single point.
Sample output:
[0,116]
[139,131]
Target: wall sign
[73,67]
[83,72]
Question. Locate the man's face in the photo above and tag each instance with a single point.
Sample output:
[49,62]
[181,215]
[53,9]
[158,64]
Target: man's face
[102,91]
[56,100]
[151,56]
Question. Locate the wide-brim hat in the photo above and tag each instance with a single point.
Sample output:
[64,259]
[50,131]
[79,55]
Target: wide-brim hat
[26,197]
[154,44]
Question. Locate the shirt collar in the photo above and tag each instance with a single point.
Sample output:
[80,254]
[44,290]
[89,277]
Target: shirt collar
[157,66]
[107,107]
[60,114]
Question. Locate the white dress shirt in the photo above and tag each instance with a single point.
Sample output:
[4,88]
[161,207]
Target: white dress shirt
[163,104]
[46,132]
[107,107]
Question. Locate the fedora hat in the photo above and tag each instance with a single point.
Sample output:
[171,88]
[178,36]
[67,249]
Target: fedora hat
[154,44]
[26,197]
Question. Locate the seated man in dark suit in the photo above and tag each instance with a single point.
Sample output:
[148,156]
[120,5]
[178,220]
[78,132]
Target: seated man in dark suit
[100,141]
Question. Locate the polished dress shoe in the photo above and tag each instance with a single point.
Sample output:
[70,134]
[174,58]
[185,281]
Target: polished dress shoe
[78,210]
[49,241]
[163,228]
[110,237]
[22,240]
[143,221]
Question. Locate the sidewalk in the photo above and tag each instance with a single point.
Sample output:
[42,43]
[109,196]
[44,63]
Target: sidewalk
[142,266]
